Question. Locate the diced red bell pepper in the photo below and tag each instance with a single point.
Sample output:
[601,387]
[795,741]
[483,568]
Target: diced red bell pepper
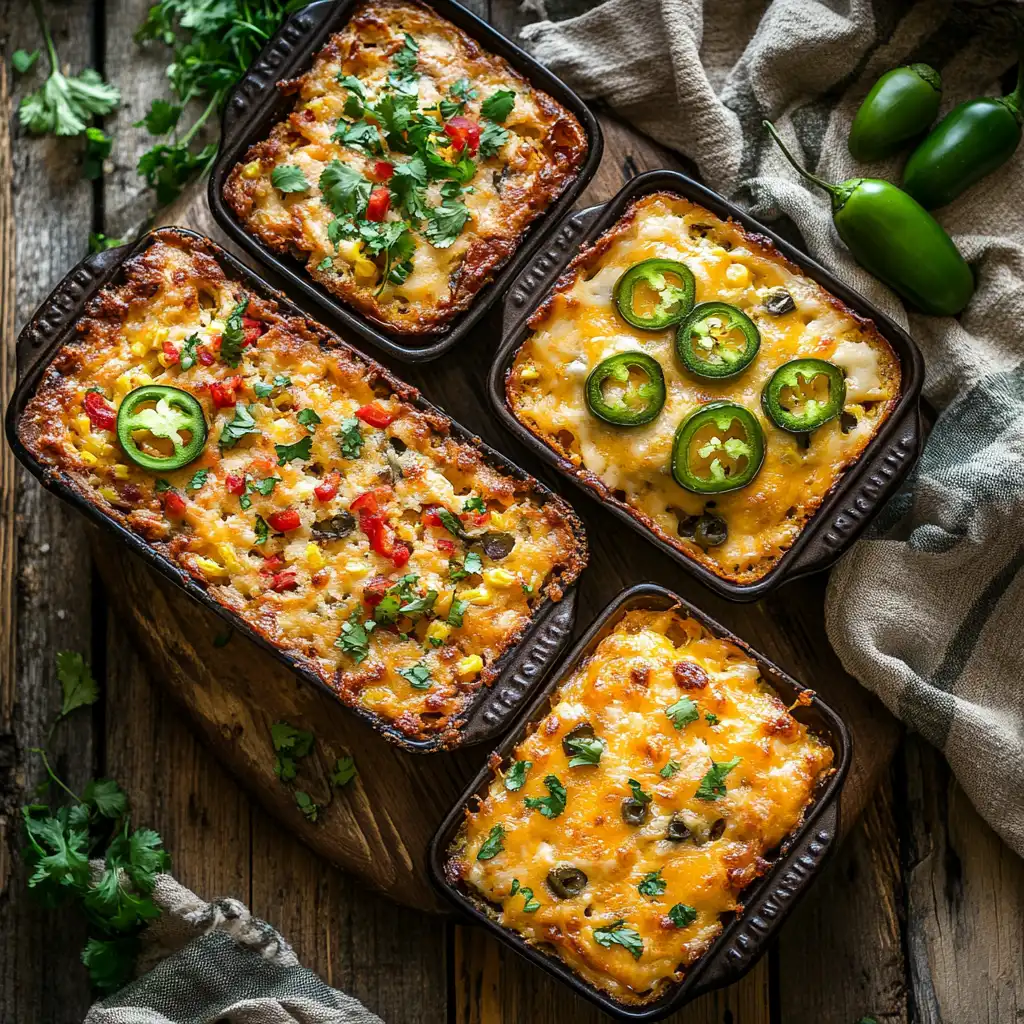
[328,487]
[285,520]
[374,591]
[284,581]
[429,516]
[252,329]
[272,563]
[223,392]
[400,554]
[171,352]
[206,357]
[464,134]
[379,204]
[371,500]
[445,545]
[375,416]
[174,503]
[101,414]
[234,483]
[382,170]
[481,518]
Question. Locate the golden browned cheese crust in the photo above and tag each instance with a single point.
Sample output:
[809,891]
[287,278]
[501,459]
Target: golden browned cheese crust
[578,326]
[648,905]
[303,586]
[510,188]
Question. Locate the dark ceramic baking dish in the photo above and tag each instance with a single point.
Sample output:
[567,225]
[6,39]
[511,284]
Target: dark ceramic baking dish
[256,106]
[856,497]
[766,902]
[522,667]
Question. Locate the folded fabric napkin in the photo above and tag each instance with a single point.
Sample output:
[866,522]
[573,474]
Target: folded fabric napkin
[214,963]
[925,611]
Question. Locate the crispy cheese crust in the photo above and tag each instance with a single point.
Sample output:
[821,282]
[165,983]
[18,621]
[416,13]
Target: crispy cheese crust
[302,586]
[578,326]
[645,665]
[509,190]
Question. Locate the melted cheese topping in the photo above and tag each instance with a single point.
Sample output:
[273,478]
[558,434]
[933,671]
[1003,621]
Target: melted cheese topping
[580,326]
[510,189]
[648,662]
[297,587]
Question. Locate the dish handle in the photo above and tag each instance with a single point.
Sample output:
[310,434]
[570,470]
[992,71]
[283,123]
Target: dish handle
[765,913]
[65,303]
[277,61]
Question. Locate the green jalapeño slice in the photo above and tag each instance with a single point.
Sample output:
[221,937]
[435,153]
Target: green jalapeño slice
[655,293]
[717,340]
[627,389]
[804,394]
[717,448]
[161,428]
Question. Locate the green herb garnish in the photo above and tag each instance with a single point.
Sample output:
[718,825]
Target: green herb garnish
[550,806]
[712,786]
[515,777]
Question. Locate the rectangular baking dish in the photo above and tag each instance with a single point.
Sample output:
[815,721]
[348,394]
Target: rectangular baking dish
[856,497]
[255,106]
[766,902]
[522,667]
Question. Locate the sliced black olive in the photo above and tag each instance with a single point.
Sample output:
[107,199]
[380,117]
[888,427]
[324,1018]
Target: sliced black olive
[634,811]
[710,531]
[565,881]
[687,525]
[717,829]
[847,421]
[803,441]
[581,731]
[398,444]
[334,528]
[498,545]
[678,831]
[778,301]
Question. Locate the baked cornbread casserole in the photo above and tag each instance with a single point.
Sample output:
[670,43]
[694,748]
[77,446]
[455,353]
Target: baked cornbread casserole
[685,371]
[409,169]
[626,824]
[301,485]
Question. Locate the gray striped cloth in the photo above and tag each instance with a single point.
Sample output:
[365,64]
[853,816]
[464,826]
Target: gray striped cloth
[928,610]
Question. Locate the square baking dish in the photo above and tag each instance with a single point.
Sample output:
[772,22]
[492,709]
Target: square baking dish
[521,667]
[256,105]
[766,902]
[854,499]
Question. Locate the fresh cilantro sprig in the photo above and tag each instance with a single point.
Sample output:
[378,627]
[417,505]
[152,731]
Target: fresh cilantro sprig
[712,786]
[552,805]
[617,932]
[290,744]
[516,775]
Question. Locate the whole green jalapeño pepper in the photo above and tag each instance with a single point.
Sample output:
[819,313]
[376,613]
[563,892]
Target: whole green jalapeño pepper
[901,106]
[789,399]
[895,238]
[671,282]
[717,341]
[165,413]
[971,141]
[717,448]
[631,403]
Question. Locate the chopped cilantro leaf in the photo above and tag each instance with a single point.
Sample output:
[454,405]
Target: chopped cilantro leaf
[351,438]
[300,451]
[306,804]
[682,915]
[408,186]
[638,794]
[187,356]
[309,419]
[492,138]
[344,771]
[233,336]
[198,479]
[474,504]
[498,105]
[360,135]
[550,806]
[456,612]
[345,190]
[76,682]
[682,712]
[669,770]
[530,904]
[325,264]
[712,786]
[355,637]
[419,605]
[711,718]
[418,676]
[445,224]
[516,775]
[586,750]
[262,530]
[493,844]
[629,938]
[239,426]
[652,884]
[471,566]
[163,485]
[288,178]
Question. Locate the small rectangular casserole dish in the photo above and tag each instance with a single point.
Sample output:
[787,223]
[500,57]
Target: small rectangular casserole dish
[741,501]
[394,161]
[652,818]
[329,512]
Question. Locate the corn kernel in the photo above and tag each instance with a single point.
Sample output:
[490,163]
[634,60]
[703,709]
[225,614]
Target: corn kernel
[499,577]
[314,557]
[469,668]
[529,372]
[498,521]
[210,567]
[316,105]
[357,570]
[83,425]
[121,471]
[139,349]
[96,445]
[438,630]
[227,553]
[443,603]
[165,360]
[477,595]
[365,269]
[87,458]
[110,494]
[251,170]
[717,250]
[738,275]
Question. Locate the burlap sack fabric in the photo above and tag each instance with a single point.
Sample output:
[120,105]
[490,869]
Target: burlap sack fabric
[928,612]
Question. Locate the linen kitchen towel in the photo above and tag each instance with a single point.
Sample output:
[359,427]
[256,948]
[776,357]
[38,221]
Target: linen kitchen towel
[214,963]
[928,610]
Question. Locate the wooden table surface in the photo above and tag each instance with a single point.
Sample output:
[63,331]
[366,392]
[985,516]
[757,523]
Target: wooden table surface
[917,919]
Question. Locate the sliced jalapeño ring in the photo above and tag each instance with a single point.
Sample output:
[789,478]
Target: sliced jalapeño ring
[717,341]
[165,413]
[666,286]
[627,389]
[803,394]
[717,448]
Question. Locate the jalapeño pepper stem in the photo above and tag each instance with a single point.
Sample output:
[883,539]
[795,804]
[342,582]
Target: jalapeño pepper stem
[832,189]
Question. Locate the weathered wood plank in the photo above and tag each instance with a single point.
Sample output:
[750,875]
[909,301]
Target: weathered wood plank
[965,903]
[52,212]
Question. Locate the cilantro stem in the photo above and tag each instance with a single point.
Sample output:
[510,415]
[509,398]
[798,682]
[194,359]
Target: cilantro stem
[50,48]
[53,774]
[202,119]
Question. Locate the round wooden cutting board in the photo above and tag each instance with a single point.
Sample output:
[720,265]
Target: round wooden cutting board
[379,826]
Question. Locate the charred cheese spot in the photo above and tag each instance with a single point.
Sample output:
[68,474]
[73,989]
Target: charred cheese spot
[509,190]
[579,326]
[300,583]
[705,851]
